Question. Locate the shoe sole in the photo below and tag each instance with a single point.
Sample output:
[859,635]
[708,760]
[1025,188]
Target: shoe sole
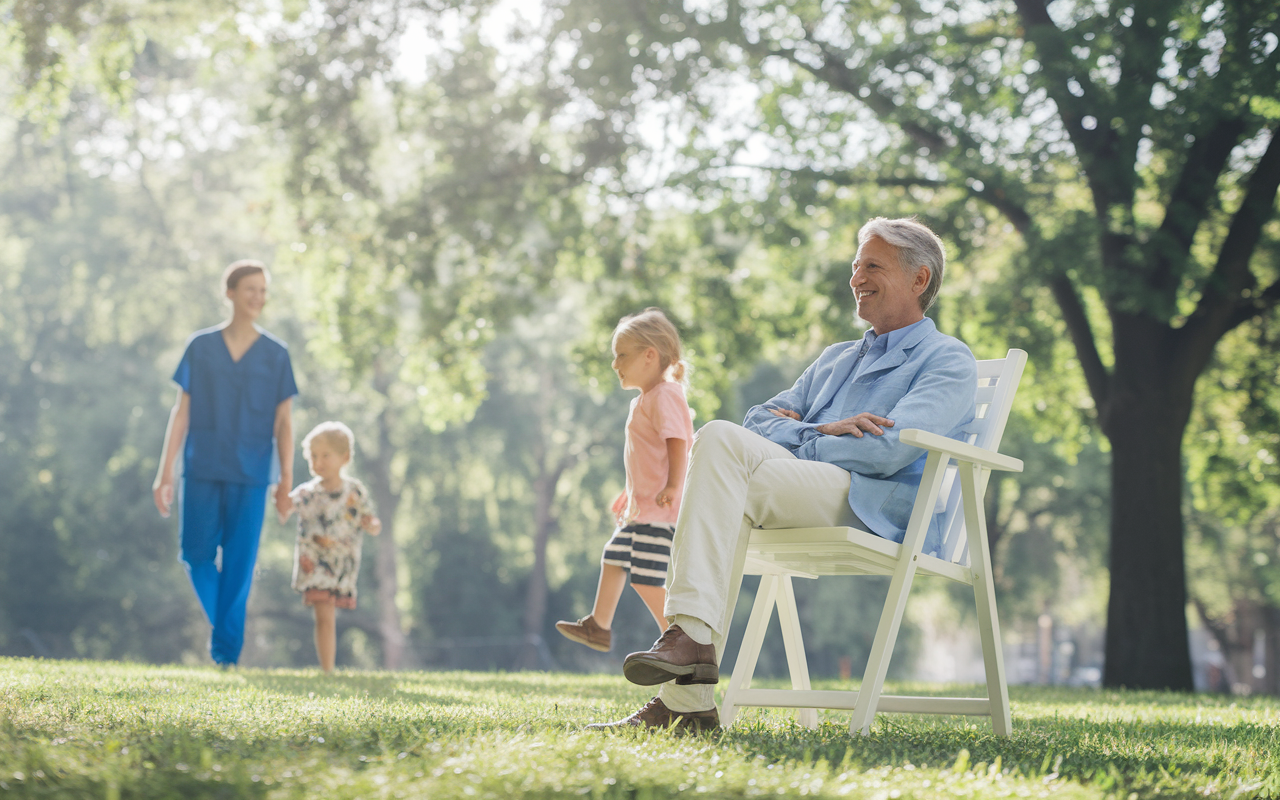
[704,726]
[647,671]
[603,648]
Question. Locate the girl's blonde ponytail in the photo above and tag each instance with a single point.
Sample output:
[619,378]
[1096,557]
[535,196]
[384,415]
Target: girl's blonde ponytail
[651,328]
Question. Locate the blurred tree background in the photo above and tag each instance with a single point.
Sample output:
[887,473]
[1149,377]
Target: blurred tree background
[459,199]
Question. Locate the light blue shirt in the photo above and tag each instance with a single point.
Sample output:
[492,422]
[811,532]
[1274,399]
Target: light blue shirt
[874,345]
[925,379]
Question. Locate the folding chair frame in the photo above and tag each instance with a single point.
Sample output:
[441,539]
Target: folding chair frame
[779,555]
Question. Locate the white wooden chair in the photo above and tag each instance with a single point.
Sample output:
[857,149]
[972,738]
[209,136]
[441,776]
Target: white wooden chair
[779,555]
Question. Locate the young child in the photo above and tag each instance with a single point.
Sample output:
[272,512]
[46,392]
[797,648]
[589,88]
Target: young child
[646,356]
[333,511]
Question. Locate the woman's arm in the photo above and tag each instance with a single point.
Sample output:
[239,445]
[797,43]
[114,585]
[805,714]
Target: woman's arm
[284,446]
[677,463]
[174,435]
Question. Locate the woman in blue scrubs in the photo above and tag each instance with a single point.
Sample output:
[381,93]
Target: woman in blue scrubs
[233,420]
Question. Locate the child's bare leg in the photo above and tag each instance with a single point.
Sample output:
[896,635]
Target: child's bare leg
[608,592]
[655,597]
[326,633]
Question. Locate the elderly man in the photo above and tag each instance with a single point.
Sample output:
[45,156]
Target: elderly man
[823,453]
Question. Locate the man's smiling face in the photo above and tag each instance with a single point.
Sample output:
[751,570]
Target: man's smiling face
[887,294]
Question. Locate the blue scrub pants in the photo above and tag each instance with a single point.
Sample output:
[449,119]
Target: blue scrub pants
[227,515]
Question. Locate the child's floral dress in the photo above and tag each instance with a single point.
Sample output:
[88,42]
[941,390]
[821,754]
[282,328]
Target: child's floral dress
[327,556]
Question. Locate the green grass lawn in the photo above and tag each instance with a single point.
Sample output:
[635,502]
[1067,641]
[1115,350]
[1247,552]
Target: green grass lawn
[109,730]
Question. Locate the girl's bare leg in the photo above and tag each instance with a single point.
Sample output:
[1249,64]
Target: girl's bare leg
[655,597]
[608,592]
[326,634]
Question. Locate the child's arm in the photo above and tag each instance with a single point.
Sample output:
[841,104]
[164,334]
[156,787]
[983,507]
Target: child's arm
[619,506]
[292,501]
[368,520]
[677,463]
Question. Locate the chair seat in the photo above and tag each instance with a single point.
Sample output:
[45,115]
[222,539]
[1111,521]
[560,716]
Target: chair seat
[811,552]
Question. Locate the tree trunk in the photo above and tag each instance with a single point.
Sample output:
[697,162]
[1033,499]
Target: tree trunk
[535,603]
[1237,635]
[1270,683]
[395,650]
[1247,620]
[1146,643]
[394,641]
[546,479]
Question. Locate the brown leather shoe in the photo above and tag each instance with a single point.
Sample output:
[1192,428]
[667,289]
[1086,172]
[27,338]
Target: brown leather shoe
[673,657]
[655,714]
[586,631]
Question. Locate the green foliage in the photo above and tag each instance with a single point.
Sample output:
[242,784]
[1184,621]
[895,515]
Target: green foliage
[524,186]
[88,567]
[126,730]
[1234,493]
[1119,159]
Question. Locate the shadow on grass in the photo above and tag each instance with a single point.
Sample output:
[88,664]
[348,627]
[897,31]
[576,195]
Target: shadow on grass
[460,688]
[1129,755]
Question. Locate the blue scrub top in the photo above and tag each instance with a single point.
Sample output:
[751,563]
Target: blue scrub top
[233,407]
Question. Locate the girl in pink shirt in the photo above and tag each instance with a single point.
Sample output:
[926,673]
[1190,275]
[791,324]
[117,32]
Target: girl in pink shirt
[646,356]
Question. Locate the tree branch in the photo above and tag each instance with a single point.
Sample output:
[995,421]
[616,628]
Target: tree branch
[1059,69]
[1058,65]
[1262,302]
[1224,298]
[1016,213]
[1081,332]
[835,73]
[841,177]
[1189,201]
[1142,49]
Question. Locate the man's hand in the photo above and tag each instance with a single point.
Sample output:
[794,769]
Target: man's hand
[666,497]
[784,412]
[866,421]
[371,524]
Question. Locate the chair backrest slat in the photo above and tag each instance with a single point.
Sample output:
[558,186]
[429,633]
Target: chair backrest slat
[990,368]
[997,383]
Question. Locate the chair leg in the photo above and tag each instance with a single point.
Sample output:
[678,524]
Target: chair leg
[984,596]
[749,652]
[895,603]
[793,642]
[864,711]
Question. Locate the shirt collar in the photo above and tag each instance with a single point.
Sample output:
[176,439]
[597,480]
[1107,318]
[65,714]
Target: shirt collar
[892,337]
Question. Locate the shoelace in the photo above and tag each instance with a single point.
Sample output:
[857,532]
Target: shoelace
[669,632]
[646,707]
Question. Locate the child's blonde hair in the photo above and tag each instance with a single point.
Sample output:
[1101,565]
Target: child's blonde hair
[338,436]
[651,328]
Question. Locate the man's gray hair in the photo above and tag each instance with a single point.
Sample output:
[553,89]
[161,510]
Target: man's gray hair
[917,247]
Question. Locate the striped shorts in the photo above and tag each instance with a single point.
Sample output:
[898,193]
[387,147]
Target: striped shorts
[642,550]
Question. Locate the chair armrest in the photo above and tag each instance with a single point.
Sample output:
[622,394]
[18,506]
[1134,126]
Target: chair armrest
[960,451]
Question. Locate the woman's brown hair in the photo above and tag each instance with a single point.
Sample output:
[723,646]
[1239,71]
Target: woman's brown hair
[240,269]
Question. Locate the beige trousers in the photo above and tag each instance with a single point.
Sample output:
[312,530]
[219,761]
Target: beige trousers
[738,480]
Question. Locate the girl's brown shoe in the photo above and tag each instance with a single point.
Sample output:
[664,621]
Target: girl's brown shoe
[586,631]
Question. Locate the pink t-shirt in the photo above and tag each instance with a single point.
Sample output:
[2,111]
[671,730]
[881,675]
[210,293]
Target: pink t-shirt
[656,416]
